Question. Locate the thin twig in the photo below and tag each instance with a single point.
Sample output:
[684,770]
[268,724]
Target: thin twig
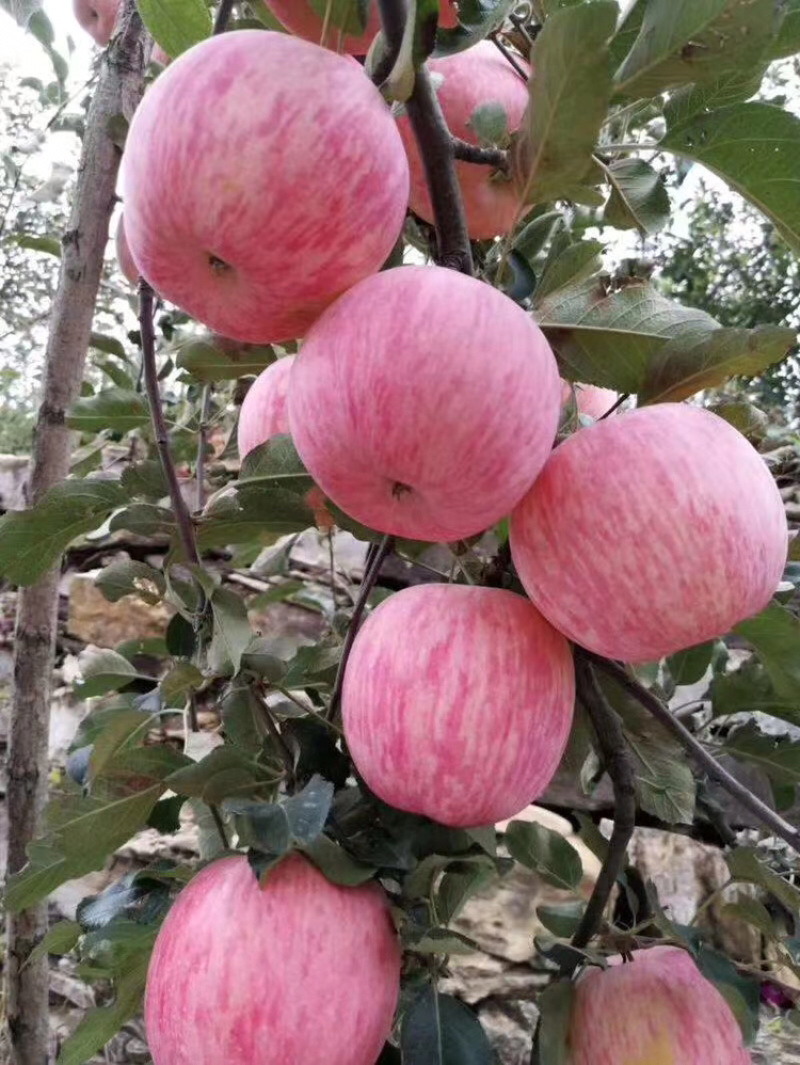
[509,56]
[769,818]
[474,153]
[286,755]
[200,466]
[220,826]
[614,750]
[223,16]
[435,146]
[370,577]
[620,400]
[182,516]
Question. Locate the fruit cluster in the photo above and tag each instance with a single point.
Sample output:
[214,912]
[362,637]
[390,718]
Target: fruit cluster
[266,182]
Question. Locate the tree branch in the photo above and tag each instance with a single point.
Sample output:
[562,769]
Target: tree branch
[200,465]
[614,749]
[119,87]
[473,153]
[223,16]
[371,574]
[769,818]
[436,149]
[181,511]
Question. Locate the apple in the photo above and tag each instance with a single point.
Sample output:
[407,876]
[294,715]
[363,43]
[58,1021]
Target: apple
[264,412]
[590,400]
[650,532]
[478,76]
[97,17]
[457,702]
[125,261]
[424,403]
[654,1010]
[298,971]
[299,17]
[249,202]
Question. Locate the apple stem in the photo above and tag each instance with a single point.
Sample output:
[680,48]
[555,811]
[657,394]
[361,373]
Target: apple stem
[371,573]
[436,149]
[614,750]
[223,16]
[181,511]
[763,813]
[509,56]
[474,153]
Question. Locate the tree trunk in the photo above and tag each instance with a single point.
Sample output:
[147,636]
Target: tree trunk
[119,88]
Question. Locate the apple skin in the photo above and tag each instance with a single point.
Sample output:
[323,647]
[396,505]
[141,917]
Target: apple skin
[244,975]
[657,1009]
[248,202]
[590,400]
[301,19]
[264,412]
[124,258]
[447,403]
[649,532]
[476,76]
[457,702]
[97,17]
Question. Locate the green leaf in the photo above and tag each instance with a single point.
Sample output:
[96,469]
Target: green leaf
[182,679]
[569,267]
[225,772]
[176,24]
[750,689]
[265,16]
[639,199]
[336,864]
[31,541]
[254,513]
[563,919]
[144,519]
[555,1012]
[681,369]
[744,864]
[689,666]
[49,245]
[439,1030]
[569,97]
[103,671]
[489,123]
[273,828]
[460,882]
[60,939]
[213,359]
[232,632]
[349,16]
[477,19]
[440,941]
[128,577]
[777,756]
[609,336]
[690,41]
[546,853]
[755,148]
[775,635]
[753,912]
[145,479]
[82,832]
[110,345]
[787,41]
[741,992]
[276,462]
[114,408]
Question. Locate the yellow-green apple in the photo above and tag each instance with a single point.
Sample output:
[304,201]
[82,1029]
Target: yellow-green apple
[264,412]
[457,702]
[657,1009]
[590,400]
[424,403]
[474,78]
[249,975]
[299,17]
[249,202]
[124,258]
[97,17]
[651,532]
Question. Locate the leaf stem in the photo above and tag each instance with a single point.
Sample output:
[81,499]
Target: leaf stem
[200,470]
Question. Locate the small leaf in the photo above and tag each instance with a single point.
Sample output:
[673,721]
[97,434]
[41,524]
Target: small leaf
[336,864]
[555,1013]
[744,864]
[176,24]
[223,773]
[128,577]
[777,756]
[638,197]
[349,16]
[546,853]
[145,479]
[276,462]
[103,671]
[212,359]
[232,632]
[439,1030]
[689,666]
[753,912]
[775,635]
[114,408]
[477,19]
[489,123]
[571,266]
[562,920]
[60,939]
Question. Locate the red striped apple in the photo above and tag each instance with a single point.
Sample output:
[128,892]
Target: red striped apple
[248,201]
[124,258]
[651,532]
[424,403]
[590,400]
[457,702]
[299,17]
[264,412]
[298,971]
[97,17]
[473,78]
[654,1010]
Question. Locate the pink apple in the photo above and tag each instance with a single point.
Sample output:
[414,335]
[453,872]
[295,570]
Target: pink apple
[298,971]
[457,702]
[124,258]
[248,200]
[97,17]
[424,403]
[478,76]
[299,17]
[264,412]
[650,532]
[590,400]
[654,1010]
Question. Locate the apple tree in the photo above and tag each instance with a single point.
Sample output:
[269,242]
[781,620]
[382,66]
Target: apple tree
[394,216]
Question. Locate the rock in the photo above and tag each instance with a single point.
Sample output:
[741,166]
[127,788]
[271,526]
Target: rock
[93,619]
[13,480]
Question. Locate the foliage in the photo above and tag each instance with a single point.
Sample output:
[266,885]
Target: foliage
[282,779]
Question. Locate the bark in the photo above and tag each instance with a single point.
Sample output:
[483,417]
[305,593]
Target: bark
[120,86]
